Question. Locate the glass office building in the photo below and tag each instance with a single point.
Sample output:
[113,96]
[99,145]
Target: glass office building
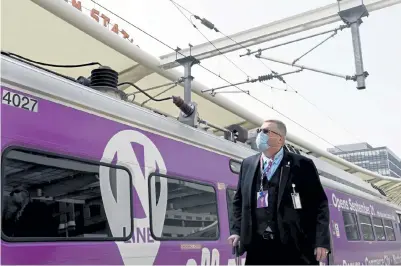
[380,160]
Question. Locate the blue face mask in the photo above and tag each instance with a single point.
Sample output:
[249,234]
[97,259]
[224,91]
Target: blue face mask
[262,142]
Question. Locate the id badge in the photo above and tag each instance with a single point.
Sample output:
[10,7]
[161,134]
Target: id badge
[262,199]
[296,200]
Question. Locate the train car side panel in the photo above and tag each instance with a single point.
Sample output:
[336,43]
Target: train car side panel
[354,241]
[67,131]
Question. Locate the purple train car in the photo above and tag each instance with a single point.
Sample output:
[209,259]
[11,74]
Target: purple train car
[113,183]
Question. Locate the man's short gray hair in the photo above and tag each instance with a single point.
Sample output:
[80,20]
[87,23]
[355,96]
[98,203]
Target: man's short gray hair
[280,126]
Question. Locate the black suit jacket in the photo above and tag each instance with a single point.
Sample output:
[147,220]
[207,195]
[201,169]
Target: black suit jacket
[305,228]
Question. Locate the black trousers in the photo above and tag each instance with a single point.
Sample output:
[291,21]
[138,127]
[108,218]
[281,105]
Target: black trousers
[272,252]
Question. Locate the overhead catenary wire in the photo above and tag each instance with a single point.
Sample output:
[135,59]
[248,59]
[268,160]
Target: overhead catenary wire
[335,31]
[217,75]
[260,79]
[275,110]
[153,37]
[211,26]
[259,51]
[189,20]
[317,108]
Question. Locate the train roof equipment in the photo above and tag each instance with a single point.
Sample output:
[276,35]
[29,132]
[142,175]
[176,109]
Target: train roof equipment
[76,36]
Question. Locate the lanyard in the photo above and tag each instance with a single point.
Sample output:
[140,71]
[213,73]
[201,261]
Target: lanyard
[263,172]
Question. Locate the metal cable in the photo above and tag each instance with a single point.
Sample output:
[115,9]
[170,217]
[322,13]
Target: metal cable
[275,110]
[217,76]
[160,93]
[216,49]
[316,46]
[189,20]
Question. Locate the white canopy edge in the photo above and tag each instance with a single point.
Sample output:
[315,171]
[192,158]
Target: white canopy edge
[61,9]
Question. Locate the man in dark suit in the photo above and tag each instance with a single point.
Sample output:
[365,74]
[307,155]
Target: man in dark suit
[294,226]
[24,217]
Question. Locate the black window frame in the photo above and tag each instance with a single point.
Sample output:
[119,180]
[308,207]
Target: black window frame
[357,226]
[175,239]
[9,239]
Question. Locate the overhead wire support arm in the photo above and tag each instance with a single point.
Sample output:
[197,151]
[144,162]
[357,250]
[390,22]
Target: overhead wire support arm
[346,77]
[278,29]
[249,52]
[320,43]
[237,91]
[260,79]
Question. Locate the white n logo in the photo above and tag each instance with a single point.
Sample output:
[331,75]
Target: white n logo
[120,145]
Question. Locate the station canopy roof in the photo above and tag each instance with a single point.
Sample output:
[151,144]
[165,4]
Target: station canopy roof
[31,31]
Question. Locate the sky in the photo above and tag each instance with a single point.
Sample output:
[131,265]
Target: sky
[330,107]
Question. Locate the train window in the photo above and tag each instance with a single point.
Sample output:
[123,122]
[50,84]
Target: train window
[235,166]
[48,197]
[351,226]
[388,227]
[182,210]
[379,229]
[230,199]
[366,227]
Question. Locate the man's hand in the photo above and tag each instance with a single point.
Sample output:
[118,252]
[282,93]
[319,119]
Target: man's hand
[321,254]
[233,240]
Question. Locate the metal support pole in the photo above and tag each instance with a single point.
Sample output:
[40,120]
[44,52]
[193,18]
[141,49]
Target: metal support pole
[305,67]
[353,17]
[187,62]
[190,118]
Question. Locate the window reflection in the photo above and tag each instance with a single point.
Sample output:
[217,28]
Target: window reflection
[191,211]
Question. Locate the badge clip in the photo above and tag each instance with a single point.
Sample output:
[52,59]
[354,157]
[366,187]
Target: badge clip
[296,200]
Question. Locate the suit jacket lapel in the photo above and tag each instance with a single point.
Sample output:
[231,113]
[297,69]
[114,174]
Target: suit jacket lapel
[284,175]
[253,167]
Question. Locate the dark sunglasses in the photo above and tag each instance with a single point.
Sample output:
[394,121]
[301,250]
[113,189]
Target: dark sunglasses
[266,131]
